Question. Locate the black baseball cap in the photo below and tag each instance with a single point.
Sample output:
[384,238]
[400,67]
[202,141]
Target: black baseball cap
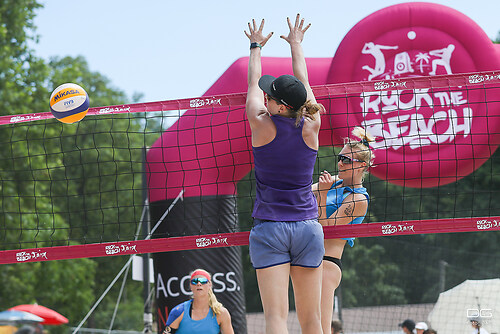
[286,89]
[408,323]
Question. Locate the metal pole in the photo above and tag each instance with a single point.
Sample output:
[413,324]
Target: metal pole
[442,275]
[148,316]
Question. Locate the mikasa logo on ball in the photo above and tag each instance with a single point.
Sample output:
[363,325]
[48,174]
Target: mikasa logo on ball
[68,92]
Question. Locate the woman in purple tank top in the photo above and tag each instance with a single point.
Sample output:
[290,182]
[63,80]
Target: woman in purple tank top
[286,240]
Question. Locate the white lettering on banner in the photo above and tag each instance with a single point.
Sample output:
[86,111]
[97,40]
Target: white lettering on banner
[413,128]
[16,119]
[196,103]
[216,281]
[160,286]
[477,78]
[232,281]
[34,255]
[391,101]
[112,249]
[183,284]
[169,282]
[485,224]
[23,256]
[175,287]
[383,85]
[492,77]
[202,242]
[406,228]
[108,110]
[214,241]
[389,229]
[115,249]
[129,247]
[393,113]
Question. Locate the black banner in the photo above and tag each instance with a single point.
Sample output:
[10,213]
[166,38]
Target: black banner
[193,216]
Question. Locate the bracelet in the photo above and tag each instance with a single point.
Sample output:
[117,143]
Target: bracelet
[255,45]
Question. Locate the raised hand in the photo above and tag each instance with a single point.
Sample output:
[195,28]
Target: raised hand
[255,35]
[325,181]
[297,31]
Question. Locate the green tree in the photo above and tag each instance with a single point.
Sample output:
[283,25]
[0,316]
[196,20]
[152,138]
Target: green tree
[48,169]
[101,185]
[369,280]
[23,89]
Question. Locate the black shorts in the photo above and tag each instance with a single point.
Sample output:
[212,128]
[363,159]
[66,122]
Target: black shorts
[332,259]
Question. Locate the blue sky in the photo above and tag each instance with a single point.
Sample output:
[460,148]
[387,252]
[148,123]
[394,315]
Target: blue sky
[177,49]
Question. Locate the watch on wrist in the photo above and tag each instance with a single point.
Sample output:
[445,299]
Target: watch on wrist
[255,45]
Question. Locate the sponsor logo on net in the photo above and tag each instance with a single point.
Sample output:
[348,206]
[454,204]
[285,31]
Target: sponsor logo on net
[196,103]
[214,241]
[383,85]
[394,228]
[485,224]
[117,249]
[34,255]
[25,118]
[478,78]
[108,110]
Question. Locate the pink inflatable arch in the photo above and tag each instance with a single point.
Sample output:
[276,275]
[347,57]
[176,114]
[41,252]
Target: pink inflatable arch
[450,133]
[207,150]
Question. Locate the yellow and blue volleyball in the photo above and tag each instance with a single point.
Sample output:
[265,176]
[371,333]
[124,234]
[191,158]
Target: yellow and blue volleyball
[69,103]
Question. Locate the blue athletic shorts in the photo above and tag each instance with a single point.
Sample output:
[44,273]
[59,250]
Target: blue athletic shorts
[300,243]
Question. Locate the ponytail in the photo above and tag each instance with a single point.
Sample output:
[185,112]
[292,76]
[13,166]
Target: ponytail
[362,146]
[308,109]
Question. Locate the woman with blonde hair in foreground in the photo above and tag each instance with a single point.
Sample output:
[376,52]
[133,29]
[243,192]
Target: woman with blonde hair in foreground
[202,314]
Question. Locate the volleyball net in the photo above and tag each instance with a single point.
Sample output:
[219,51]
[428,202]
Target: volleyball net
[82,190]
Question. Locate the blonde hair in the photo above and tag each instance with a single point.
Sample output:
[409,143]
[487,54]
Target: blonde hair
[213,303]
[362,146]
[308,109]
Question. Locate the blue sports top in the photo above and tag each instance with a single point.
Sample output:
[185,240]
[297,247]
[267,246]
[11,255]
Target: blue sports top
[336,196]
[283,174]
[208,325]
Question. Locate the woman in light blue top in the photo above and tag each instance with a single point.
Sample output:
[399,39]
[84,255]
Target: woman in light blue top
[342,200]
[201,315]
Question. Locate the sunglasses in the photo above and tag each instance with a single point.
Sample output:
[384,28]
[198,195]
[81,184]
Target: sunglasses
[346,160]
[202,280]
